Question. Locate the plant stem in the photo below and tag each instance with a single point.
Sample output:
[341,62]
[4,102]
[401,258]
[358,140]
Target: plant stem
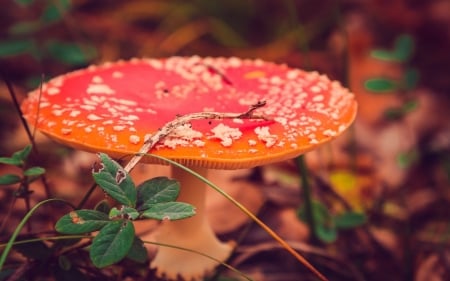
[86,196]
[307,197]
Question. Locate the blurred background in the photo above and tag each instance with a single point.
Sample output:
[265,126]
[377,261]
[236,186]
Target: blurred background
[380,192]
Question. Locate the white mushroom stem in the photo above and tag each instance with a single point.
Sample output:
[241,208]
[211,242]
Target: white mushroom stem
[193,233]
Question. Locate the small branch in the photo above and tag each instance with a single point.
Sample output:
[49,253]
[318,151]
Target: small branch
[169,127]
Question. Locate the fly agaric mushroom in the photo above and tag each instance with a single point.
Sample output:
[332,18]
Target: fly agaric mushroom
[115,107]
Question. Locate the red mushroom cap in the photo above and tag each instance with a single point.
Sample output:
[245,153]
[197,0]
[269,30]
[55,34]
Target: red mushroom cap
[112,108]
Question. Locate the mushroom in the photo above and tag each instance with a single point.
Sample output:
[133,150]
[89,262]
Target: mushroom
[115,107]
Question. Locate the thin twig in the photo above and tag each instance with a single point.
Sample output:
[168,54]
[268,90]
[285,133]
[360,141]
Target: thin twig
[17,107]
[169,127]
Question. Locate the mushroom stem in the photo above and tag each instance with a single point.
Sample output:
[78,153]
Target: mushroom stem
[193,233]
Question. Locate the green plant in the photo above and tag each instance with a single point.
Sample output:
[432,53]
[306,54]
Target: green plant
[116,239]
[28,174]
[400,54]
[327,225]
[25,37]
[63,258]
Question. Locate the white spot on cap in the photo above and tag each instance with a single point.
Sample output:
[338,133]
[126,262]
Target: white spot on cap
[119,128]
[276,80]
[155,63]
[292,74]
[147,137]
[74,113]
[129,118]
[58,112]
[66,131]
[117,74]
[183,136]
[97,79]
[124,102]
[99,89]
[329,133]
[265,136]
[226,134]
[252,142]
[234,62]
[315,89]
[318,98]
[134,139]
[93,117]
[199,143]
[88,107]
[281,120]
[53,91]
[185,132]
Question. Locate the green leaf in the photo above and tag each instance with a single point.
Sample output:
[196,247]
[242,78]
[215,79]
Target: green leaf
[393,113]
[34,171]
[71,53]
[103,206]
[396,113]
[112,243]
[138,252]
[113,179]
[11,161]
[55,10]
[380,85]
[410,79]
[157,190]
[225,34]
[124,212]
[25,27]
[410,106]
[350,220]
[9,179]
[169,211]
[9,48]
[326,233]
[18,158]
[130,213]
[325,228]
[22,154]
[406,159]
[402,52]
[24,2]
[384,55]
[81,221]
[404,47]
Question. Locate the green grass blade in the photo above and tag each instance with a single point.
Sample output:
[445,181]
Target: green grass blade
[19,228]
